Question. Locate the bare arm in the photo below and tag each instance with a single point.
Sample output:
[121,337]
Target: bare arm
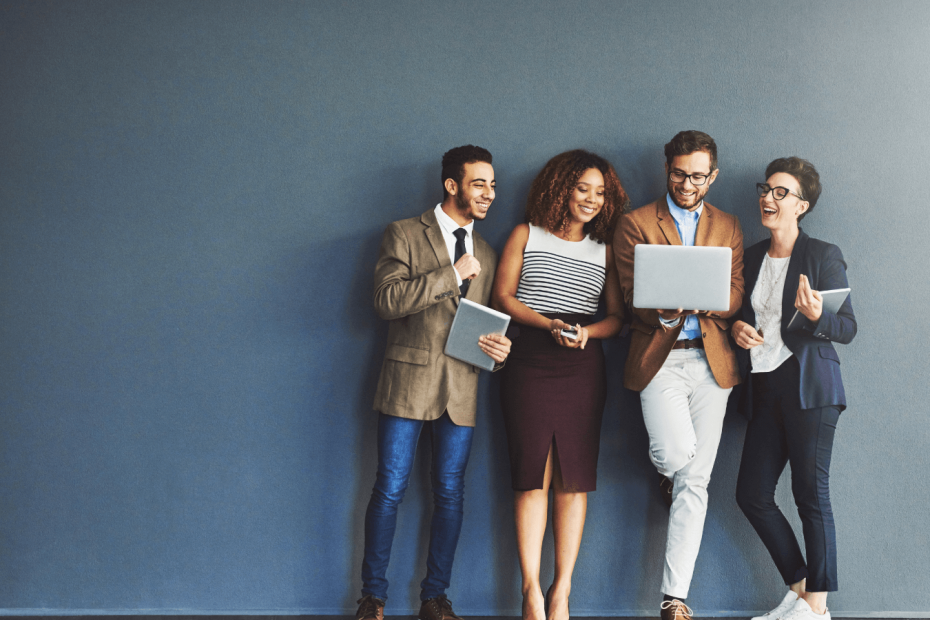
[610,325]
[507,278]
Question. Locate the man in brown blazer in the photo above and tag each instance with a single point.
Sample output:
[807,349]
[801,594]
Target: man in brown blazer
[680,360]
[425,265]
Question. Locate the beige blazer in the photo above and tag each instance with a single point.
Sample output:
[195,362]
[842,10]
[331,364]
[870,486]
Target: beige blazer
[415,289]
[651,341]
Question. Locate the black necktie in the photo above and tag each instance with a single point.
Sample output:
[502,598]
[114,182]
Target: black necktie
[459,252]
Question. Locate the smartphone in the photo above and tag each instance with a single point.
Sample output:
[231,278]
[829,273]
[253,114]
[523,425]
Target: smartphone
[570,332]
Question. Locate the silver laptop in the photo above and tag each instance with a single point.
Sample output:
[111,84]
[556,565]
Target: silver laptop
[668,277]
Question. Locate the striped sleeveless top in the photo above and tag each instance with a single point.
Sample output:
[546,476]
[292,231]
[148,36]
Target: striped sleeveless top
[562,276]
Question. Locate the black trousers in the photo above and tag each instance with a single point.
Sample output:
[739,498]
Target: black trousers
[781,432]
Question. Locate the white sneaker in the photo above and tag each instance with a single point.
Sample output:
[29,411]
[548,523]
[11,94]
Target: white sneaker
[803,611]
[786,604]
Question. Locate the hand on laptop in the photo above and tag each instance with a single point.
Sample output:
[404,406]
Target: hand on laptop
[671,315]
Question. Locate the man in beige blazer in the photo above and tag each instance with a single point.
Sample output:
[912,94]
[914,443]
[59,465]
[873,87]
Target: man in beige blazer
[425,265]
[680,360]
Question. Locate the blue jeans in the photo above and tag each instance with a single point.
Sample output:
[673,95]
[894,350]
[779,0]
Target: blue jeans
[781,432]
[397,446]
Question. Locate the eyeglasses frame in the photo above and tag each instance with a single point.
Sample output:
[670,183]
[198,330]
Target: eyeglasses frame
[762,194]
[687,177]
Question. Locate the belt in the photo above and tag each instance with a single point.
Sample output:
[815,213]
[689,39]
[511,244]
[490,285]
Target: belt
[697,343]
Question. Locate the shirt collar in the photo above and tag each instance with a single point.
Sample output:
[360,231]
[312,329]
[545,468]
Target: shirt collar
[449,225]
[683,215]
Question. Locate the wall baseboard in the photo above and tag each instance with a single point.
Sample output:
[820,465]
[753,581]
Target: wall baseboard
[340,614]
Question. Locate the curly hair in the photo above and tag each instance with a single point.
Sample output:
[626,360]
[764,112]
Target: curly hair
[807,176]
[547,203]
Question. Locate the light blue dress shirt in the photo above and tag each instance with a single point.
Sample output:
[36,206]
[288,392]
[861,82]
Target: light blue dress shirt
[686,222]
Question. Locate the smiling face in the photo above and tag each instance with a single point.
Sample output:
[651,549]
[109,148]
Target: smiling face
[782,214]
[587,199]
[471,199]
[686,194]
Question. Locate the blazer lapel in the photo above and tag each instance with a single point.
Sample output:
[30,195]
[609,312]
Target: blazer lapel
[751,266]
[705,224]
[792,278]
[484,258]
[667,223]
[434,236]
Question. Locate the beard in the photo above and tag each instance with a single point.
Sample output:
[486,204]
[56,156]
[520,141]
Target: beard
[463,206]
[695,200]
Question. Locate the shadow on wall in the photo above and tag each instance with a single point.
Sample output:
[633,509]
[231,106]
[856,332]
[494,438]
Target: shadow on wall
[341,453]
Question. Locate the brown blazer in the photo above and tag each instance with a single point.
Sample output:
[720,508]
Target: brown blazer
[651,341]
[415,289]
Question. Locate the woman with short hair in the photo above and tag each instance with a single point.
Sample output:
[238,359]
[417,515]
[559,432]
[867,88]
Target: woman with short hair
[794,393]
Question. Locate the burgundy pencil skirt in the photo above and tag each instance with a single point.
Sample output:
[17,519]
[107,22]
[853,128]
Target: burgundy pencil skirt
[553,394]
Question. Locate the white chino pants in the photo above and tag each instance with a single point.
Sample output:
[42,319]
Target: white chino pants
[683,408]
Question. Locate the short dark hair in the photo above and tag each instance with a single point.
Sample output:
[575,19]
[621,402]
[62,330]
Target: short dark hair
[454,160]
[805,173]
[691,141]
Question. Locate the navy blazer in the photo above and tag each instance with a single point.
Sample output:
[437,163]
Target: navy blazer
[812,344]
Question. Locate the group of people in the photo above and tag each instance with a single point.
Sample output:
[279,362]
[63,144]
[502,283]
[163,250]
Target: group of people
[575,249]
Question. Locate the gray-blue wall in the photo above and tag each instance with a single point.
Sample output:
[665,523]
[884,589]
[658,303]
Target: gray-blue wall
[191,199]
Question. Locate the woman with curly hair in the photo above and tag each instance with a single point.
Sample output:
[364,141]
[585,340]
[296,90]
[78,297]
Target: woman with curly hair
[550,277]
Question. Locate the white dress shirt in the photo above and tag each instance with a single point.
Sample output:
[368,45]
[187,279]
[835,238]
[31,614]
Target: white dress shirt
[448,226]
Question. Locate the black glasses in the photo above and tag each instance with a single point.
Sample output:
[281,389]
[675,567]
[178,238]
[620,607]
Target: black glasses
[697,179]
[778,192]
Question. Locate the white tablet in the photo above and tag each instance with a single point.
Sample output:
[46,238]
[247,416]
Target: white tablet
[471,321]
[832,301]
[669,277]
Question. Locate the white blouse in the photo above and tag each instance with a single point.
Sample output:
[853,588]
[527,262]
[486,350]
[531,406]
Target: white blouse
[766,302]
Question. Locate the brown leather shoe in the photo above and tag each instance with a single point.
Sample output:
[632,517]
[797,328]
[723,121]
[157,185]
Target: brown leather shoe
[665,486]
[439,608]
[674,610]
[370,608]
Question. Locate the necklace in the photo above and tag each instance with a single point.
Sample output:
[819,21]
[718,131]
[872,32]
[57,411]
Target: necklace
[769,308]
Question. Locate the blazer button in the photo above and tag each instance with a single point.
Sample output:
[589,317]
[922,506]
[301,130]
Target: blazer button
[704,335]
